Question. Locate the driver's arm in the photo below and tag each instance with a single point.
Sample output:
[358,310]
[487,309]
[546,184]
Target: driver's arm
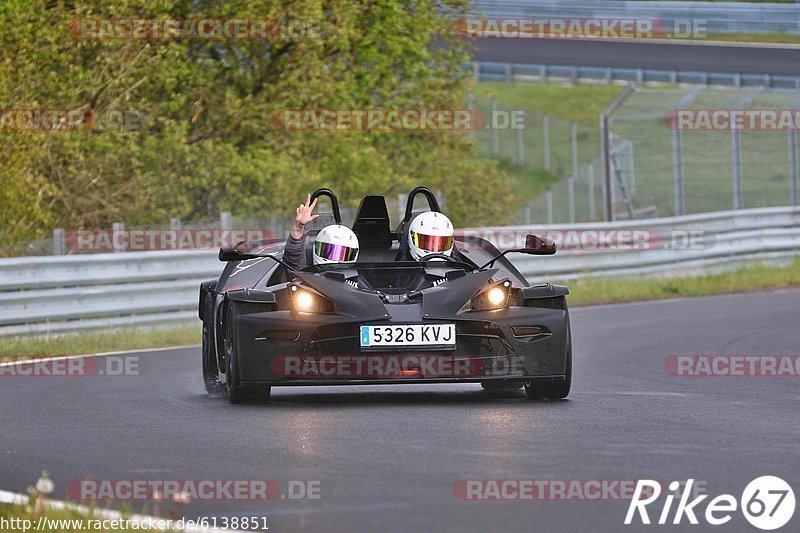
[295,251]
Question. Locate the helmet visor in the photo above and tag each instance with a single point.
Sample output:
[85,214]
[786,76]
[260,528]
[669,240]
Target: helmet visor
[335,252]
[432,243]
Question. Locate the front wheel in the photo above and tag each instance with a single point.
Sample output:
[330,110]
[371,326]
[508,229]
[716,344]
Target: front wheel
[236,392]
[552,390]
[210,368]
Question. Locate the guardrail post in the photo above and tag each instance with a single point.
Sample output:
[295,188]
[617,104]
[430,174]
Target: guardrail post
[546,143]
[793,166]
[767,81]
[609,76]
[673,77]
[225,221]
[573,74]
[542,73]
[736,149]
[508,71]
[526,214]
[677,169]
[639,77]
[590,185]
[175,223]
[59,242]
[737,80]
[495,132]
[549,201]
[521,147]
[476,70]
[117,231]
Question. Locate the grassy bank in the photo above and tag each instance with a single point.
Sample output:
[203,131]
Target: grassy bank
[751,278]
[97,342]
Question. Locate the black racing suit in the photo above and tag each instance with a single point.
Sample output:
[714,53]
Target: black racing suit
[295,252]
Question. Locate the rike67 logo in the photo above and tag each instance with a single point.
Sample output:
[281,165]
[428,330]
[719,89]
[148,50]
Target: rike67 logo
[767,503]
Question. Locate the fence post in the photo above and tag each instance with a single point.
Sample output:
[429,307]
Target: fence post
[590,184]
[521,146]
[441,197]
[677,170]
[573,136]
[571,198]
[605,151]
[546,143]
[117,228]
[793,166]
[225,221]
[549,200]
[736,149]
[59,242]
[402,198]
[495,131]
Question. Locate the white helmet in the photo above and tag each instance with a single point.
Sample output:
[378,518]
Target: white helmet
[429,233]
[335,244]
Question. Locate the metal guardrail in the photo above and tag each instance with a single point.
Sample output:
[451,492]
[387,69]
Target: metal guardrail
[719,17]
[57,294]
[498,71]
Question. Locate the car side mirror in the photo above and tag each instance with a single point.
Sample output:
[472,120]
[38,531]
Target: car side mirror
[535,245]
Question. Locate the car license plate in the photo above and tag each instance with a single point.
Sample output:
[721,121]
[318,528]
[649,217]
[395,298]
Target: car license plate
[441,336]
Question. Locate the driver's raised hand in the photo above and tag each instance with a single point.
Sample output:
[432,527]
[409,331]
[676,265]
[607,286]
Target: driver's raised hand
[303,217]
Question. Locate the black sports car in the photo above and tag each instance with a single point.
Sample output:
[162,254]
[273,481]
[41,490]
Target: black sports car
[385,319]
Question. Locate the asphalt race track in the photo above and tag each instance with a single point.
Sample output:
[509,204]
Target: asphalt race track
[703,57]
[387,458]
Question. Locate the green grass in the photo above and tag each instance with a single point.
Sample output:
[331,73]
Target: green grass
[582,103]
[97,342]
[785,38]
[754,277]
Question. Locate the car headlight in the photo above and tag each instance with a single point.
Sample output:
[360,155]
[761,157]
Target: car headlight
[495,297]
[308,301]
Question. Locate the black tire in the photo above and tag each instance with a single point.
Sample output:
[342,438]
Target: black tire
[210,368]
[234,390]
[552,390]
